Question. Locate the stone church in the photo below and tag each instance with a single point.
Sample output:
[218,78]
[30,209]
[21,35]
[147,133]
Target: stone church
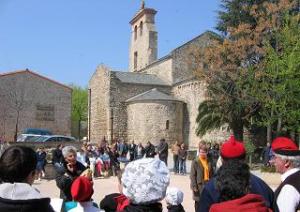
[156,98]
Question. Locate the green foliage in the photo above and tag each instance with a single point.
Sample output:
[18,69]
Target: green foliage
[209,117]
[250,147]
[277,87]
[79,103]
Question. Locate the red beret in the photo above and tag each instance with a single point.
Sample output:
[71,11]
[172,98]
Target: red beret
[82,189]
[232,149]
[285,146]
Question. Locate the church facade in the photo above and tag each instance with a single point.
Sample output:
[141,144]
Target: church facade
[156,98]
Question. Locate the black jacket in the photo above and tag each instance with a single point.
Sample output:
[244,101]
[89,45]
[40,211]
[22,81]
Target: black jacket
[65,178]
[30,205]
[57,156]
[108,204]
[155,207]
[150,151]
[175,208]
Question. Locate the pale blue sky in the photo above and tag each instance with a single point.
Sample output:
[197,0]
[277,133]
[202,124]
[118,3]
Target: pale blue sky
[67,39]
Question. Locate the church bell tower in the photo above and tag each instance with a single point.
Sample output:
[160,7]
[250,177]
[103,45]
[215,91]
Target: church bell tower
[143,44]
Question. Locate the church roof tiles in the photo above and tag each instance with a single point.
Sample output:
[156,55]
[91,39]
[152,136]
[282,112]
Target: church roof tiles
[151,95]
[140,78]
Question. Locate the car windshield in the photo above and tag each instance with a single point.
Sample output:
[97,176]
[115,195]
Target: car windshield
[31,138]
[41,138]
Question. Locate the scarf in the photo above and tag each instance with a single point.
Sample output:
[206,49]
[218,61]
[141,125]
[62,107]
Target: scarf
[204,163]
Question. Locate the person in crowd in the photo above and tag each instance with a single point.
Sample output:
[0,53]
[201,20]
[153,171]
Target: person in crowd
[162,150]
[266,154]
[139,151]
[232,182]
[150,150]
[215,156]
[17,174]
[174,198]
[41,162]
[102,146]
[71,170]
[115,201]
[57,157]
[233,150]
[287,162]
[175,150]
[81,191]
[201,172]
[105,162]
[114,162]
[182,154]
[122,148]
[82,156]
[209,152]
[144,183]
[131,149]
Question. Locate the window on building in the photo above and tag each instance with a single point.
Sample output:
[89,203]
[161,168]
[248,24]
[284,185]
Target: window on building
[135,32]
[135,60]
[141,28]
[167,124]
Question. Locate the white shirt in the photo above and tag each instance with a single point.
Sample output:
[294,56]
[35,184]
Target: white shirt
[288,198]
[85,207]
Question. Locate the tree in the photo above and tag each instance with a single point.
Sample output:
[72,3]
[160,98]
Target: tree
[228,66]
[277,87]
[79,106]
[16,98]
[236,12]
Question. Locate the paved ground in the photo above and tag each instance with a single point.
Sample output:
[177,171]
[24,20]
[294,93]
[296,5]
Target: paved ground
[104,186]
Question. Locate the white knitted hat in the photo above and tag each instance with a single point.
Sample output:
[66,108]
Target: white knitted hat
[174,196]
[145,180]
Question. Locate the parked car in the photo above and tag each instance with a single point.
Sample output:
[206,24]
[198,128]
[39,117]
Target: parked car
[58,138]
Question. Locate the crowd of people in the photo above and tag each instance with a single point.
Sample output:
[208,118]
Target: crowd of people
[226,185]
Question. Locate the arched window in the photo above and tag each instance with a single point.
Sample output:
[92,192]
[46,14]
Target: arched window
[141,28]
[135,59]
[135,32]
[167,124]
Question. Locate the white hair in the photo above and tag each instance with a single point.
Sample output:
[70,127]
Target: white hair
[295,160]
[68,149]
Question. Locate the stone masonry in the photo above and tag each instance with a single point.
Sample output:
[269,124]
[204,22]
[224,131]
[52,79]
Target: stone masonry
[40,102]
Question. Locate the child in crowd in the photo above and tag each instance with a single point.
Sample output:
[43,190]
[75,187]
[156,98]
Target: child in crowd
[82,191]
[106,162]
[174,198]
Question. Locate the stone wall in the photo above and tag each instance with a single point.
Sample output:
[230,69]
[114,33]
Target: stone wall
[162,69]
[99,105]
[119,93]
[192,93]
[182,59]
[147,121]
[41,103]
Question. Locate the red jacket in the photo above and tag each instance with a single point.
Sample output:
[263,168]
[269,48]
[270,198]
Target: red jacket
[249,203]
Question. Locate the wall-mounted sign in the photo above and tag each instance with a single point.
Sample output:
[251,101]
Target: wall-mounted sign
[45,112]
